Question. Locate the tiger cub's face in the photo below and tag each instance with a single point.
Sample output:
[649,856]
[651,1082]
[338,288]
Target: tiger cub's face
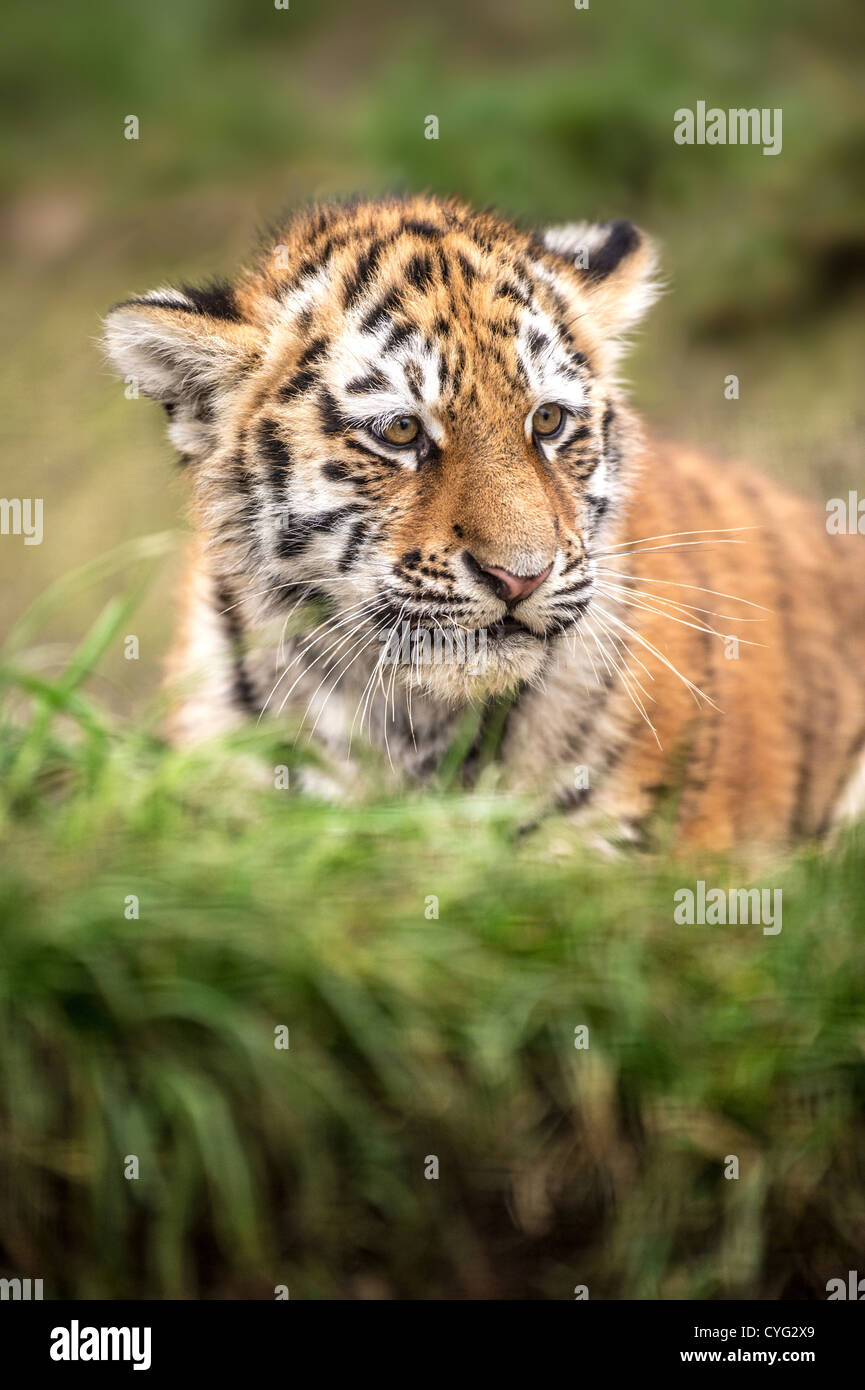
[407,409]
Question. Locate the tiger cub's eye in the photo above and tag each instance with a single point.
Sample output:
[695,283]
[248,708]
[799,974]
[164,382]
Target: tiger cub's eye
[404,430]
[547,420]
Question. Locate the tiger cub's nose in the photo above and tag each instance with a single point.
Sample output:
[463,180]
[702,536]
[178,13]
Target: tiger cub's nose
[509,587]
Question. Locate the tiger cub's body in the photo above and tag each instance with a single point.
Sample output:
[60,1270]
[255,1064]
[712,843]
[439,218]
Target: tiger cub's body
[417,489]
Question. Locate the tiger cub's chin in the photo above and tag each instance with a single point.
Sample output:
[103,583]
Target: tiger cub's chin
[498,669]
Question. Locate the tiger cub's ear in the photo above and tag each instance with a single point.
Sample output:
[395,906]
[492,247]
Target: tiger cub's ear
[615,268]
[182,348]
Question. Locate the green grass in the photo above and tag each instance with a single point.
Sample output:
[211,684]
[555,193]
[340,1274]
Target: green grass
[410,1035]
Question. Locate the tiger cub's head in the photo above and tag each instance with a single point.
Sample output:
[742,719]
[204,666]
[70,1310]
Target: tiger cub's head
[408,409]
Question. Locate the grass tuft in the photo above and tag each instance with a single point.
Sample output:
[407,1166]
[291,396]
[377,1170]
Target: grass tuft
[410,1035]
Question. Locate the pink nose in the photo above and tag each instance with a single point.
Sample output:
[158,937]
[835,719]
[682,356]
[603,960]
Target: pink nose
[512,587]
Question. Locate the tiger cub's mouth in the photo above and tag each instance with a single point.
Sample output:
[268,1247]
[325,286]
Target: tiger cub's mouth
[509,627]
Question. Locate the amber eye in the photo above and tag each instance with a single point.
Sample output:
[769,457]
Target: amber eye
[404,430]
[547,420]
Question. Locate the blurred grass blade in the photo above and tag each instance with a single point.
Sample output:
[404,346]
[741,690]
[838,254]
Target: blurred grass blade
[145,548]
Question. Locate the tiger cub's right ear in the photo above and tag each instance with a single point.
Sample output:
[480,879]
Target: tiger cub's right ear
[614,267]
[181,348]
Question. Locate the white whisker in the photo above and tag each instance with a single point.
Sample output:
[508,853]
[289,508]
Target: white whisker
[615,592]
[675,583]
[306,669]
[364,642]
[672,535]
[635,699]
[649,549]
[695,690]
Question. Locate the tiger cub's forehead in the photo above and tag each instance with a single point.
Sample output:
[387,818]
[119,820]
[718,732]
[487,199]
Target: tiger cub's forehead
[426,321]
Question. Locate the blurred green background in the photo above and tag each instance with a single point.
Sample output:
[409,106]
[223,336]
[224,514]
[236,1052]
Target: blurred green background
[410,1035]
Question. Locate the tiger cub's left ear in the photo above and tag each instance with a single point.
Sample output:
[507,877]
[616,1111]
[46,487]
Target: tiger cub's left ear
[184,348]
[615,266]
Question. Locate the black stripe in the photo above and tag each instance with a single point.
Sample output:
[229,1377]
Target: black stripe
[381,312]
[332,419]
[512,292]
[298,383]
[419,271]
[424,229]
[470,767]
[299,530]
[244,691]
[358,448]
[362,385]
[276,452]
[362,274]
[399,334]
[610,443]
[315,350]
[337,471]
[622,241]
[353,545]
[216,300]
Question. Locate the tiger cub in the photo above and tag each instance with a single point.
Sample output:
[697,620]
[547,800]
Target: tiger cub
[419,495]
